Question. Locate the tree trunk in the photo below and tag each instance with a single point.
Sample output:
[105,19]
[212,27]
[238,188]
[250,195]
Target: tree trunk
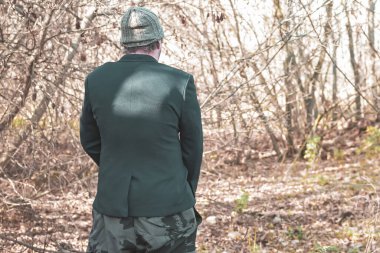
[355,68]
[289,89]
[335,84]
[253,95]
[310,99]
[265,121]
[375,85]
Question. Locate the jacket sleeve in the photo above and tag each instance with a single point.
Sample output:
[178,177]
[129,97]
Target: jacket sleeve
[89,131]
[191,135]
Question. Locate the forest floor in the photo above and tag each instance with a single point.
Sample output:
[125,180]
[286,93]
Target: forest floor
[332,207]
[261,206]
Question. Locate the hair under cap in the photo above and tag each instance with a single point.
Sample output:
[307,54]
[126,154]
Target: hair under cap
[140,27]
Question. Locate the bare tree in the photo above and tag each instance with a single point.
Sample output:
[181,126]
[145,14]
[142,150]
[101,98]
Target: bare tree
[354,65]
[373,56]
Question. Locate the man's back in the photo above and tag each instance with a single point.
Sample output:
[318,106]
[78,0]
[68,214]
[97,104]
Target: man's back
[141,124]
[137,104]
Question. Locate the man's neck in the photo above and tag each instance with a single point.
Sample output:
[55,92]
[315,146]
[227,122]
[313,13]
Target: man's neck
[155,53]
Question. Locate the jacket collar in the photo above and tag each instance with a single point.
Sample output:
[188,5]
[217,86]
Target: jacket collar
[138,57]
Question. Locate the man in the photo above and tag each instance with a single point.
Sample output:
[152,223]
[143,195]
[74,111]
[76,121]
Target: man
[141,125]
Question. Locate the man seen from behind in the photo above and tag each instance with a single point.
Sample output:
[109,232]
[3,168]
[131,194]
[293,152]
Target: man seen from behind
[141,124]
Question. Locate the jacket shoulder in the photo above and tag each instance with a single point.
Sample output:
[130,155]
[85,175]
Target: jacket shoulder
[175,71]
[98,70]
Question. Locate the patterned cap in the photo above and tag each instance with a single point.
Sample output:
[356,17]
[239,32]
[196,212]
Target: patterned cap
[140,27]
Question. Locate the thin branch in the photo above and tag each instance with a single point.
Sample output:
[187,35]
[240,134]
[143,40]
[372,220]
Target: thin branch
[334,62]
[37,249]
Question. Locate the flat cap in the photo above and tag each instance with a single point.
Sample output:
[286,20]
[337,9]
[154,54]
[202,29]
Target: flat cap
[140,27]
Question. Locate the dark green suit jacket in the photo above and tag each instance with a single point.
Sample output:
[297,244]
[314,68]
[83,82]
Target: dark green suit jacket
[141,124]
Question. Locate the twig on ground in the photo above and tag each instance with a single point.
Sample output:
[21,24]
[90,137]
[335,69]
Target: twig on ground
[37,249]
